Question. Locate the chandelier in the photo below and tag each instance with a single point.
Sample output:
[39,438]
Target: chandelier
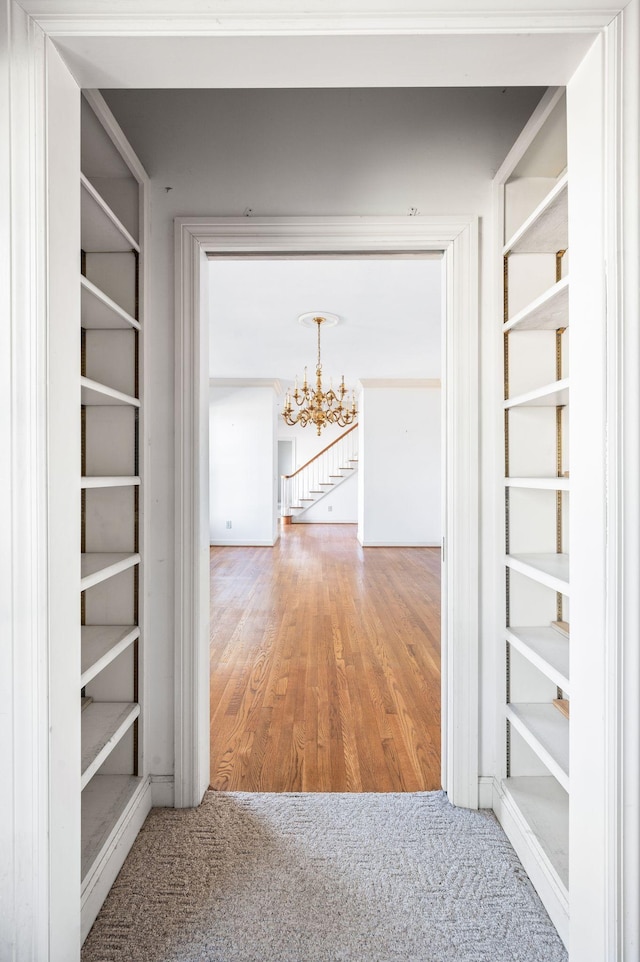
[317,406]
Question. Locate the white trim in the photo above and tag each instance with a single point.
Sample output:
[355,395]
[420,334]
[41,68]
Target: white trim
[25,805]
[457,236]
[531,130]
[196,17]
[103,874]
[124,148]
[162,791]
[622,886]
[485,791]
[244,544]
[246,382]
[395,382]
[320,521]
[191,548]
[396,544]
[534,860]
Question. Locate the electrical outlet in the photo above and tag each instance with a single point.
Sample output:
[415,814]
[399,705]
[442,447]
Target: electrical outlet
[228,524]
[329,507]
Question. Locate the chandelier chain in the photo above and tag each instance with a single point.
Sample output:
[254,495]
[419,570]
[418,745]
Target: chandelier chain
[317,406]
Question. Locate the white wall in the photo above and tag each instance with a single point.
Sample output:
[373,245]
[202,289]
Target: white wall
[399,476]
[298,152]
[243,466]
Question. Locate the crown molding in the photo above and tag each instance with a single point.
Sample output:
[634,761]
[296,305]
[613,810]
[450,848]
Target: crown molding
[395,382]
[267,382]
[201,17]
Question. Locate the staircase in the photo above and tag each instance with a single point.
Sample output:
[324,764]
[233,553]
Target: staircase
[319,476]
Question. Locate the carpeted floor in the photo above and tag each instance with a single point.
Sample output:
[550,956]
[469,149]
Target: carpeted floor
[322,878]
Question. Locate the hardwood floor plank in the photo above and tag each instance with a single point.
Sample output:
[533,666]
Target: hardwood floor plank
[325,665]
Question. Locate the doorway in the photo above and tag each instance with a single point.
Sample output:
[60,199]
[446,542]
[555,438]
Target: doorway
[286,463]
[325,646]
[458,238]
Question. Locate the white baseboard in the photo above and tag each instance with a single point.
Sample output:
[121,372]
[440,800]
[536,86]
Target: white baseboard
[400,544]
[485,791]
[252,543]
[552,892]
[96,887]
[325,521]
[162,791]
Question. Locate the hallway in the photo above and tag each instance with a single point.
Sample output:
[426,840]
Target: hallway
[325,665]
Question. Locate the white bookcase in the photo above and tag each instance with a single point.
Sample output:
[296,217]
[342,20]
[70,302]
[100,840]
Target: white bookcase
[534,787]
[115,785]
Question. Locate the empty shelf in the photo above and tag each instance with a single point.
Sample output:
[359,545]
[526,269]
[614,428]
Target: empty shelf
[123,481]
[101,230]
[546,229]
[545,648]
[99,395]
[551,395]
[105,803]
[546,731]
[103,725]
[97,566]
[101,644]
[544,806]
[100,312]
[549,569]
[549,312]
[539,484]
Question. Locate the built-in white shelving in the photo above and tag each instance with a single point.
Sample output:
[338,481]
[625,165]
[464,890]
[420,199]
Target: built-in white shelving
[106,801]
[532,795]
[116,793]
[546,229]
[549,395]
[538,484]
[544,806]
[100,312]
[546,731]
[94,393]
[109,482]
[101,644]
[547,569]
[549,311]
[103,725]
[101,230]
[545,648]
[97,566]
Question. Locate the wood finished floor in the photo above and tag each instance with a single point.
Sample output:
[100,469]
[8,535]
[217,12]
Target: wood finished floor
[325,665]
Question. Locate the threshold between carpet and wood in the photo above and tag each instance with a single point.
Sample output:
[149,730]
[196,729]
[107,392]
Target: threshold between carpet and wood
[255,877]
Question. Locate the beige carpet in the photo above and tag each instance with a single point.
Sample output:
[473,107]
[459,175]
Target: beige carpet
[321,878]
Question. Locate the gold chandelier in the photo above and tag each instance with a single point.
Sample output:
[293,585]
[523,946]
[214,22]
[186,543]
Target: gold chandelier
[317,406]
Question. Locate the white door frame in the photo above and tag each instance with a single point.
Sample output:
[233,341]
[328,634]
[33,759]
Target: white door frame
[457,237]
[31,921]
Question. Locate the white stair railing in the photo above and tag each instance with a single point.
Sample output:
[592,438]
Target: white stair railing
[315,479]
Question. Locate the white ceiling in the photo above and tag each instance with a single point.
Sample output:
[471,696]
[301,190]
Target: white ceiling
[438,60]
[389,309]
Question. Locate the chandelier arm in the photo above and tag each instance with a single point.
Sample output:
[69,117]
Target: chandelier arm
[316,406]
